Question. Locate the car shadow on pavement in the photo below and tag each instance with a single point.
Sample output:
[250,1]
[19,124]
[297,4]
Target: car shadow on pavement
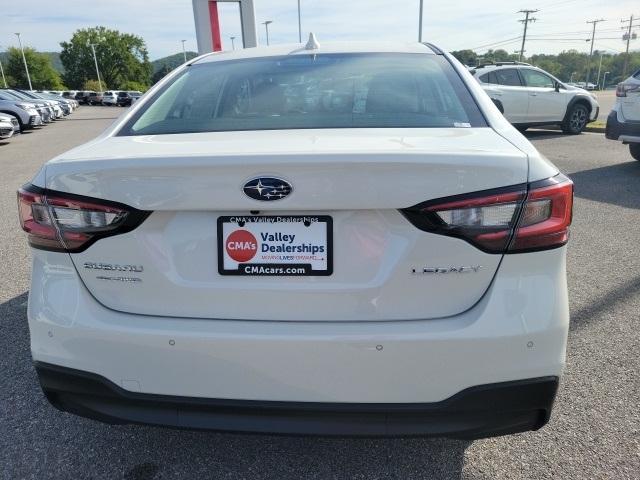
[38,441]
[617,184]
[541,134]
[605,304]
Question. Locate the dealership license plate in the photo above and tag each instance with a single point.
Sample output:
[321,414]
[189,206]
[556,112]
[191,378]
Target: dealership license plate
[280,245]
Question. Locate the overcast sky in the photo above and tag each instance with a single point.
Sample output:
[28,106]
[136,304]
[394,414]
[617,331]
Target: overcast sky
[450,24]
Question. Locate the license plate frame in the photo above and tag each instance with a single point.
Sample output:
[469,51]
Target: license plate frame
[285,267]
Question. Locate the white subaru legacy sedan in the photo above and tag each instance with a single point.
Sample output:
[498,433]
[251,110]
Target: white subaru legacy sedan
[334,239]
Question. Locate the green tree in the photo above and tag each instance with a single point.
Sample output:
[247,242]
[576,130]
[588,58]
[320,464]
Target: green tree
[122,57]
[161,73]
[94,86]
[134,86]
[466,57]
[499,55]
[42,73]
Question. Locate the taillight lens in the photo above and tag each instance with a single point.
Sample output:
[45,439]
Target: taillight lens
[623,88]
[546,216]
[514,219]
[64,222]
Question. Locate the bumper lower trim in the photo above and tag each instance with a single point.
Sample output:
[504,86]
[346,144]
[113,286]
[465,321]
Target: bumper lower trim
[616,129]
[476,412]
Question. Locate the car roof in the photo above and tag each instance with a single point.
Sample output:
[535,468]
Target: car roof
[481,70]
[324,47]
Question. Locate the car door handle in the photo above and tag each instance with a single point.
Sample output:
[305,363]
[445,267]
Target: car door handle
[533,94]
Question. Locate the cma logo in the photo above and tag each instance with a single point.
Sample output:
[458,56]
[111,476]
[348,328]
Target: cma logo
[445,270]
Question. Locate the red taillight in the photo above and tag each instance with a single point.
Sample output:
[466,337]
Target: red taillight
[64,222]
[510,220]
[545,219]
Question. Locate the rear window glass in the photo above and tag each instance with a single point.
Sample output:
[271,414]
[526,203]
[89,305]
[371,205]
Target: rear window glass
[310,91]
[489,78]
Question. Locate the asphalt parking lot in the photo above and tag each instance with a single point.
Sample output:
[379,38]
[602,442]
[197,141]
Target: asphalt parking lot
[594,431]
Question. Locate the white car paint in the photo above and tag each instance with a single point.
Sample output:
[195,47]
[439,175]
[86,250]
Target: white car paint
[372,332]
[629,106]
[514,332]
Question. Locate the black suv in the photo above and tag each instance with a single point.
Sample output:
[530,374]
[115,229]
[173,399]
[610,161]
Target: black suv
[125,99]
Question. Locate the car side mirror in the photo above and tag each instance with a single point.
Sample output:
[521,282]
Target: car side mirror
[557,86]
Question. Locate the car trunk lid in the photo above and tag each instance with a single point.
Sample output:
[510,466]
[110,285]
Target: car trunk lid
[360,179]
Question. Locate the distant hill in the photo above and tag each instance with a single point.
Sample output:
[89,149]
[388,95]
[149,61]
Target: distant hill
[54,56]
[172,61]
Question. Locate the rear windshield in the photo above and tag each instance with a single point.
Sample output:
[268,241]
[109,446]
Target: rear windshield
[310,91]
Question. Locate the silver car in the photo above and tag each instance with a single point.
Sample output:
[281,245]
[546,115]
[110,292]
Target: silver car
[45,111]
[6,127]
[25,113]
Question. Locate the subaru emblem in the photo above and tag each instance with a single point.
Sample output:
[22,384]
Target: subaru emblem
[267,189]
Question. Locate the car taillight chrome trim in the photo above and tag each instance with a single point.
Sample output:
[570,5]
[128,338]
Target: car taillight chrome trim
[514,219]
[66,222]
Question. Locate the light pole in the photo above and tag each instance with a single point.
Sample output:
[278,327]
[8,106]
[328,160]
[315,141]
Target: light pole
[599,68]
[3,78]
[604,80]
[95,60]
[24,59]
[299,24]
[420,22]
[233,43]
[266,27]
[184,52]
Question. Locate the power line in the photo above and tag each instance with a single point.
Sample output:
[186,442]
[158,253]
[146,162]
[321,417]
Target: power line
[495,44]
[526,21]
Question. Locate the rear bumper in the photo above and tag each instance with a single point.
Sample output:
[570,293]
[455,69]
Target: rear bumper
[624,131]
[476,412]
[517,331]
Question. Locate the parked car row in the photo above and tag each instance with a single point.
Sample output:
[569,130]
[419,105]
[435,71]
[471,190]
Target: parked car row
[22,109]
[122,98]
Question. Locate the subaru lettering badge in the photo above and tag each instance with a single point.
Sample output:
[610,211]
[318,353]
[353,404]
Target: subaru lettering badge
[267,189]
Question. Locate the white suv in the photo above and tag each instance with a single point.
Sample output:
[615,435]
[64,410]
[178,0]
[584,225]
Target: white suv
[110,97]
[623,123]
[528,96]
[337,239]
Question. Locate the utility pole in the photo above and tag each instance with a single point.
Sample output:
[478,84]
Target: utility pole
[24,59]
[626,57]
[95,59]
[420,21]
[184,52]
[593,38]
[299,24]
[266,28]
[525,21]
